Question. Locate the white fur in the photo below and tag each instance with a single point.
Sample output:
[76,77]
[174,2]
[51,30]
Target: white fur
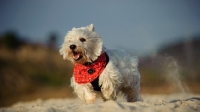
[120,75]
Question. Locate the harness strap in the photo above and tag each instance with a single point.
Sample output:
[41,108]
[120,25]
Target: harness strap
[95,83]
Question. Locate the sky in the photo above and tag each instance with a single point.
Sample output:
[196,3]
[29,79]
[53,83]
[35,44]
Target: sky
[139,26]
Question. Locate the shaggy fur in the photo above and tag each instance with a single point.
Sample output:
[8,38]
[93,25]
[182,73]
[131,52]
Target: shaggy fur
[121,74]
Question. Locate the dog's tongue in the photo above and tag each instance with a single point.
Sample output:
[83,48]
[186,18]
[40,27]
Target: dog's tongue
[76,56]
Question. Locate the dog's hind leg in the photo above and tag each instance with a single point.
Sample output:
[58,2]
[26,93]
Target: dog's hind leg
[129,94]
[132,92]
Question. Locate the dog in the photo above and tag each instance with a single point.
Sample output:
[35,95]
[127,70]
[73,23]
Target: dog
[109,71]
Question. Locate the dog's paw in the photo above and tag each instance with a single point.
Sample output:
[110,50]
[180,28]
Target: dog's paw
[91,100]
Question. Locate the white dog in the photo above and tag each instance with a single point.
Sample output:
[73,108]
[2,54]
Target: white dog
[96,68]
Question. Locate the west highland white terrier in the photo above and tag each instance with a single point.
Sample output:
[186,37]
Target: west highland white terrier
[109,71]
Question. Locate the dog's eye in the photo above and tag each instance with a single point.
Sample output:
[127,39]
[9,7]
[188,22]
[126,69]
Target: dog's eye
[82,39]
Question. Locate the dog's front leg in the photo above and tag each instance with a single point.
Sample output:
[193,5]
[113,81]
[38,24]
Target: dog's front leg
[108,96]
[84,91]
[110,80]
[87,93]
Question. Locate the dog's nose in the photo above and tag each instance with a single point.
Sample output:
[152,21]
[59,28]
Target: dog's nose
[72,47]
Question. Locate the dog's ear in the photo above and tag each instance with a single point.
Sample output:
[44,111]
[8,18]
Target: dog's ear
[91,27]
[73,28]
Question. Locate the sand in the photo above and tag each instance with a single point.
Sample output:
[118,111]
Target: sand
[151,103]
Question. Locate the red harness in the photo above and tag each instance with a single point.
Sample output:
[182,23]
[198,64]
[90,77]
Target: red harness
[87,73]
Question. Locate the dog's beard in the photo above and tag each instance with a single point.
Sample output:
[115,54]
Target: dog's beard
[81,55]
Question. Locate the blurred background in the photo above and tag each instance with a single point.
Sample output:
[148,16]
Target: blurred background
[165,35]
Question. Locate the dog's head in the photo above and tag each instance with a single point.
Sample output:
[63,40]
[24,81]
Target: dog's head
[82,45]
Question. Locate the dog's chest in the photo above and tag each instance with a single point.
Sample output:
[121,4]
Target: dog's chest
[89,72]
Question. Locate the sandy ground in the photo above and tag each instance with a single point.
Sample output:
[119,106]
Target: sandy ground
[151,103]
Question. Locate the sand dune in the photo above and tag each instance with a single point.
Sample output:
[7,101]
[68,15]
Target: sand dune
[151,103]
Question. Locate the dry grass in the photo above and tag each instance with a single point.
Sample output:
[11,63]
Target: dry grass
[30,68]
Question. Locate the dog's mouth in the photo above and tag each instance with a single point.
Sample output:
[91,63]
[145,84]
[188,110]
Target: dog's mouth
[77,56]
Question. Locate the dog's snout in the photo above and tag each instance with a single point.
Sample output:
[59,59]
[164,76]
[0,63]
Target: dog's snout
[72,47]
